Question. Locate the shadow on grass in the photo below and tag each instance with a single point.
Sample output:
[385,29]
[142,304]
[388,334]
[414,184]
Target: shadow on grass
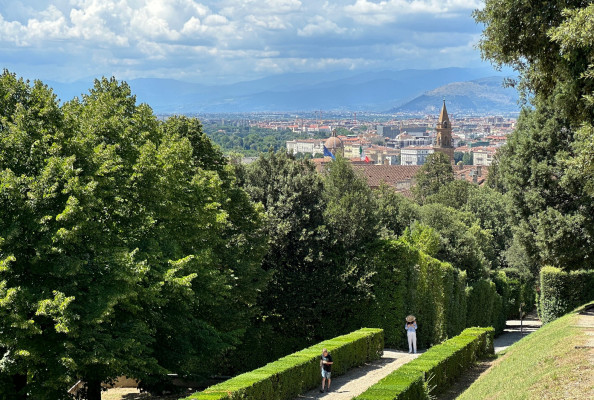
[467,379]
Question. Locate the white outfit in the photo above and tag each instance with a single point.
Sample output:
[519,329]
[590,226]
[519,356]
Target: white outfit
[412,337]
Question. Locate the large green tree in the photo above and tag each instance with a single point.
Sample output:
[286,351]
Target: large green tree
[352,218]
[36,178]
[126,247]
[202,236]
[395,212]
[546,166]
[462,240]
[435,173]
[291,194]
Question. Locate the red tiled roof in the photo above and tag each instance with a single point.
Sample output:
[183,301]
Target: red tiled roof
[467,171]
[390,174]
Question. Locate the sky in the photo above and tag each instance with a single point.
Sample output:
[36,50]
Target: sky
[228,41]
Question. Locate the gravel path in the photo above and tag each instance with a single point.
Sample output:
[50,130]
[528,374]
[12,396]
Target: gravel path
[357,380]
[516,330]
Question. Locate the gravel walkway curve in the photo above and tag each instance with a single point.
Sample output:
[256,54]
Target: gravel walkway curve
[357,380]
[516,330]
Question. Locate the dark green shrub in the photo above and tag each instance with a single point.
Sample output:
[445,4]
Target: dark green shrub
[298,372]
[485,306]
[561,291]
[456,306]
[407,281]
[394,277]
[435,369]
[515,288]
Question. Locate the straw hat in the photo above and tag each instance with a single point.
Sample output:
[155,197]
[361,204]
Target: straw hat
[410,318]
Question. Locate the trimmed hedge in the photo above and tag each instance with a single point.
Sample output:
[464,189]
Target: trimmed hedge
[434,370]
[515,289]
[407,281]
[561,291]
[291,375]
[485,306]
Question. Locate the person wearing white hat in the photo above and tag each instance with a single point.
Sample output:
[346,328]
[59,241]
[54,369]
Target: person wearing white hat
[411,330]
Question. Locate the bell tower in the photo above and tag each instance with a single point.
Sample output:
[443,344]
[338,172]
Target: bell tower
[443,139]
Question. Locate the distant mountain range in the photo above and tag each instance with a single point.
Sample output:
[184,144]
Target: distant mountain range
[410,91]
[479,96]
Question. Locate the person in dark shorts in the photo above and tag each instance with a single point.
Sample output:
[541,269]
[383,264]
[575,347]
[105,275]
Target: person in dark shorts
[326,364]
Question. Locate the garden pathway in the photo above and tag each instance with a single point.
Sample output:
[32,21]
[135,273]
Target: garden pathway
[357,380]
[514,331]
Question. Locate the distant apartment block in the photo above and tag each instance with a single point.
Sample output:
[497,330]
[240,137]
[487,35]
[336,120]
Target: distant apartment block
[387,131]
[415,155]
[483,156]
[406,140]
[305,146]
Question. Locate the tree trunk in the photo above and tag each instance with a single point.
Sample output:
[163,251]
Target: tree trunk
[94,390]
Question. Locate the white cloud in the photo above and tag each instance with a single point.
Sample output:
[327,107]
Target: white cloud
[271,22]
[320,26]
[369,12]
[231,38]
[237,9]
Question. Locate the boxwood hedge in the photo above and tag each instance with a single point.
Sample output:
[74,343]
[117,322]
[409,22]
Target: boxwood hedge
[562,291]
[434,370]
[407,281]
[291,375]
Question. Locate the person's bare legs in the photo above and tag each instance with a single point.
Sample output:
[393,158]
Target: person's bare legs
[323,383]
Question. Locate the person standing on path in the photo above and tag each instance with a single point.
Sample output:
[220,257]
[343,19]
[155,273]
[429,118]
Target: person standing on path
[411,331]
[326,364]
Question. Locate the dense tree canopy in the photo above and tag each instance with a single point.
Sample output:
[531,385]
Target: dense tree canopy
[126,247]
[251,140]
[435,173]
[547,165]
[290,192]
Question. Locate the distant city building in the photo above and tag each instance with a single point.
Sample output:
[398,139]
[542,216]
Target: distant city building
[382,155]
[334,144]
[483,156]
[305,146]
[406,140]
[443,140]
[414,130]
[415,155]
[387,131]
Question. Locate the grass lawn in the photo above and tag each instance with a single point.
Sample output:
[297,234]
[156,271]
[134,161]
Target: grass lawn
[544,365]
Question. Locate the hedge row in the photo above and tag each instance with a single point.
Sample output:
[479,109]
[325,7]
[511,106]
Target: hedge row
[434,370]
[291,375]
[515,290]
[407,281]
[561,291]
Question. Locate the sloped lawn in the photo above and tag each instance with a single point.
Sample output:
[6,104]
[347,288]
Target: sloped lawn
[555,362]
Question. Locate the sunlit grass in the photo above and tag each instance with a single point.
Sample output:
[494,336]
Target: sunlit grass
[543,365]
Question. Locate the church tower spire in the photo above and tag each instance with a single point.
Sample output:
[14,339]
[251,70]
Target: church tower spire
[443,139]
[443,116]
